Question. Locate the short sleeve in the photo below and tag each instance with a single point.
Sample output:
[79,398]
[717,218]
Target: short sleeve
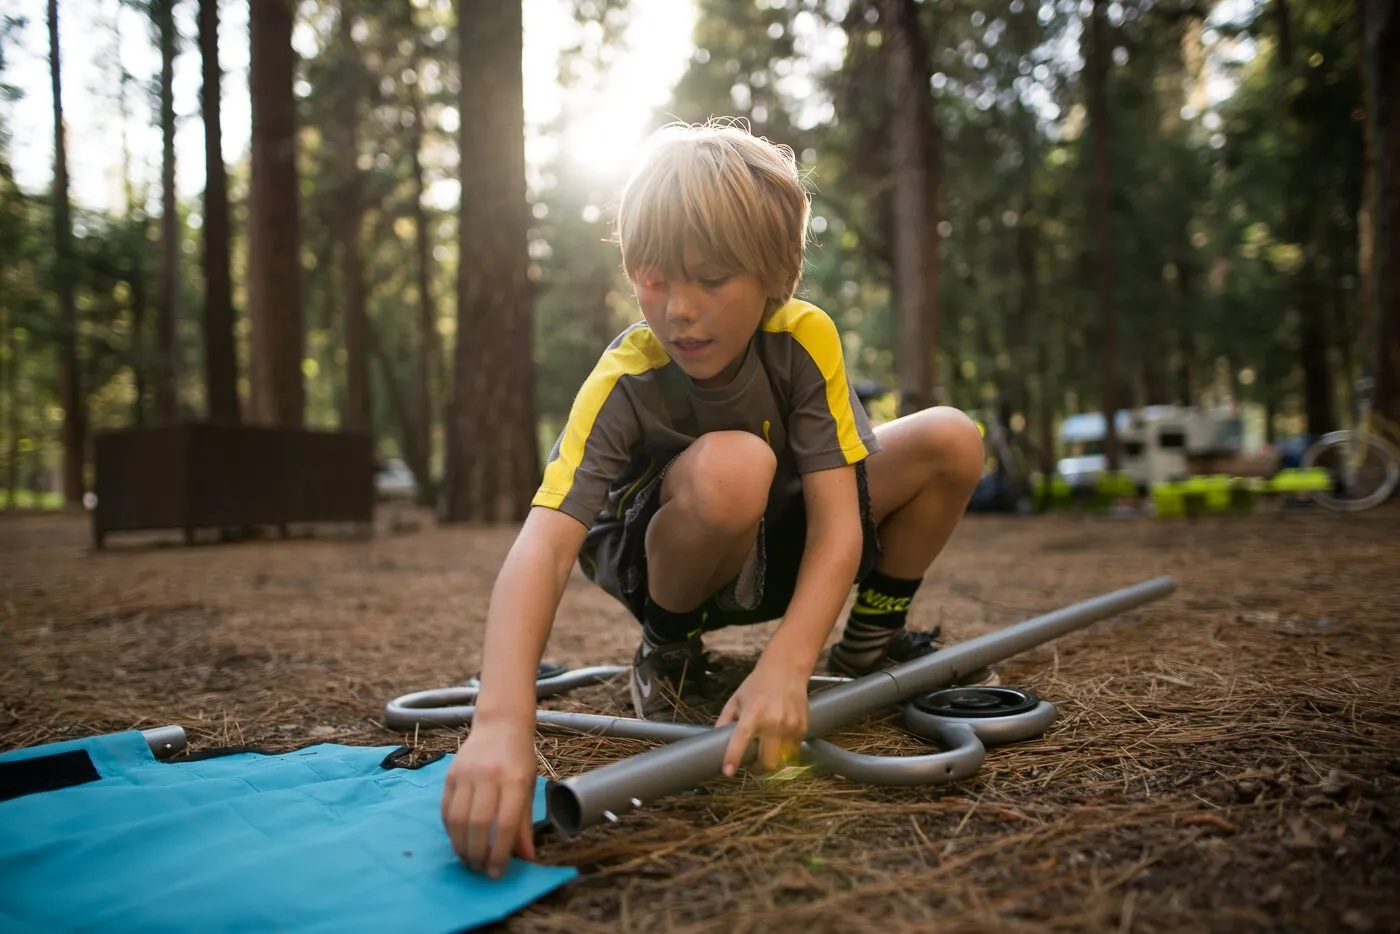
[602,430]
[827,425]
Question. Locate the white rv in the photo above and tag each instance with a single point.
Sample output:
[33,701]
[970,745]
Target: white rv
[1157,443]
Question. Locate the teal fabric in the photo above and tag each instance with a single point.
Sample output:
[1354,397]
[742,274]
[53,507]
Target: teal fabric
[320,839]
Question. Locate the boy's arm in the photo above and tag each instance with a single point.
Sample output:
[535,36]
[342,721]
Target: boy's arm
[520,616]
[829,565]
[771,705]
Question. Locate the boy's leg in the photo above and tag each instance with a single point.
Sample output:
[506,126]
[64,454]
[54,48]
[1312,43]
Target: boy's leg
[712,503]
[920,482]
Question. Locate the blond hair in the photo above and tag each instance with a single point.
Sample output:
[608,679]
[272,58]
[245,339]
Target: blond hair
[737,197]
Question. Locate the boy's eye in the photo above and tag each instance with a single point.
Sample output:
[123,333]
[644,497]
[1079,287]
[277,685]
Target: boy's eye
[714,282]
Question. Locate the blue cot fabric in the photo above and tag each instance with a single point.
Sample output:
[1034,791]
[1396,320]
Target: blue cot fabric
[320,839]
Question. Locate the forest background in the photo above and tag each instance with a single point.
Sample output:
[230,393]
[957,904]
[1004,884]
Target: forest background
[289,213]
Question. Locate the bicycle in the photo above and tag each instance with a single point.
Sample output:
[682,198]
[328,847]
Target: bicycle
[1363,465]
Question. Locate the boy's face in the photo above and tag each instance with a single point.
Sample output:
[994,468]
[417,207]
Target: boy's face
[705,318]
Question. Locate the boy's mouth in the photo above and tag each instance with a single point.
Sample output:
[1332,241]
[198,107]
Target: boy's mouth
[690,347]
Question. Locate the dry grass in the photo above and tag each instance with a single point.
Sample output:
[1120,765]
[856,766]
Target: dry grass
[1225,759]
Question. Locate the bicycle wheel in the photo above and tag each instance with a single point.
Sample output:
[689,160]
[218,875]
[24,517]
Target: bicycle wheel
[1364,470]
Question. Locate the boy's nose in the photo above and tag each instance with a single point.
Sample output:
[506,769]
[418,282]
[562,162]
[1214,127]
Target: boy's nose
[679,308]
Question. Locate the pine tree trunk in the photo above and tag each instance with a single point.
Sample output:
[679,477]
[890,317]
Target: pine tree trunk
[494,454]
[1046,400]
[1318,394]
[8,366]
[140,302]
[70,394]
[427,378]
[357,398]
[168,309]
[1028,298]
[136,278]
[12,426]
[277,395]
[1382,26]
[1096,66]
[915,222]
[220,357]
[1185,335]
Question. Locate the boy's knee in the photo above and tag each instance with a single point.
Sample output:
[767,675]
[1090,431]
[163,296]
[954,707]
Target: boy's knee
[952,444]
[726,479]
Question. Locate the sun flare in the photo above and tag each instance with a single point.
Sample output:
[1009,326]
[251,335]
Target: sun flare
[603,141]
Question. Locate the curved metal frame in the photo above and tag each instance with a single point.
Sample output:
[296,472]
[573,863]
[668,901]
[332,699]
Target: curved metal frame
[994,731]
[583,800]
[1346,440]
[963,738]
[695,751]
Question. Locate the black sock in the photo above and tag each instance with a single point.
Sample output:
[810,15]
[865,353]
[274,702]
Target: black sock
[880,611]
[661,626]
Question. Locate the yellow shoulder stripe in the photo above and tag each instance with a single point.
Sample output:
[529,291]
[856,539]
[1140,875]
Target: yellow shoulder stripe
[816,332]
[639,352]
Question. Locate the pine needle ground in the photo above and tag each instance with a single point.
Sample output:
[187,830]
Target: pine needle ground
[1224,759]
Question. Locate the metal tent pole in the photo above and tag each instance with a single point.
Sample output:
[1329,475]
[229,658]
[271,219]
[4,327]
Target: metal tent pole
[590,797]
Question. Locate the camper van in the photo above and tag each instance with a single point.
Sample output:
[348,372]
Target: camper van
[1158,443]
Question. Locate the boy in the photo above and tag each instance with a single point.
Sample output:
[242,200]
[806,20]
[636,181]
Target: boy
[716,469]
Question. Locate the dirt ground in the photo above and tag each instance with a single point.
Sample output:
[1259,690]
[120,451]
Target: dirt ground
[1225,759]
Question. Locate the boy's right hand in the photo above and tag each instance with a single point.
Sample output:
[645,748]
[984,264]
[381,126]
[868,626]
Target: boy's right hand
[488,797]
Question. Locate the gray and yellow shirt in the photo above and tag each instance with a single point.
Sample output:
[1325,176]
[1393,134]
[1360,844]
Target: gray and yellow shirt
[637,410]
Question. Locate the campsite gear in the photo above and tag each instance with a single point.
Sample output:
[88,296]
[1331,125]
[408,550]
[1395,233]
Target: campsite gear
[121,833]
[963,720]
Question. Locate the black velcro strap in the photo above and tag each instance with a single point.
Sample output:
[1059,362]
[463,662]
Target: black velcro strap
[402,757]
[46,773]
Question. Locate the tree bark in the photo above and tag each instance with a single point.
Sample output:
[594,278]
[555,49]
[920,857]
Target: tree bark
[1027,307]
[277,394]
[140,303]
[427,378]
[70,394]
[12,413]
[168,307]
[358,414]
[1318,392]
[493,455]
[1382,29]
[136,214]
[220,357]
[1096,68]
[8,367]
[917,249]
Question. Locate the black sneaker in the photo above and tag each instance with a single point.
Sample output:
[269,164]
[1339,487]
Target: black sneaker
[669,677]
[904,646]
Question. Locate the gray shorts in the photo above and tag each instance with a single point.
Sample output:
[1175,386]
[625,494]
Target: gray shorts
[763,588]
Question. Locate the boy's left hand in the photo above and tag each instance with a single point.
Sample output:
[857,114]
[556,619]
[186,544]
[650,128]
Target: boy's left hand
[770,706]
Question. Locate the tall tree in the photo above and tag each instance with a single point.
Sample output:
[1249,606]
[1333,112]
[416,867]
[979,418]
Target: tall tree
[1300,226]
[1096,72]
[1382,64]
[916,243]
[427,377]
[69,389]
[277,394]
[493,454]
[168,311]
[134,203]
[349,222]
[220,358]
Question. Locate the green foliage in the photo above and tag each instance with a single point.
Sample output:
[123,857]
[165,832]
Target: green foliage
[1233,220]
